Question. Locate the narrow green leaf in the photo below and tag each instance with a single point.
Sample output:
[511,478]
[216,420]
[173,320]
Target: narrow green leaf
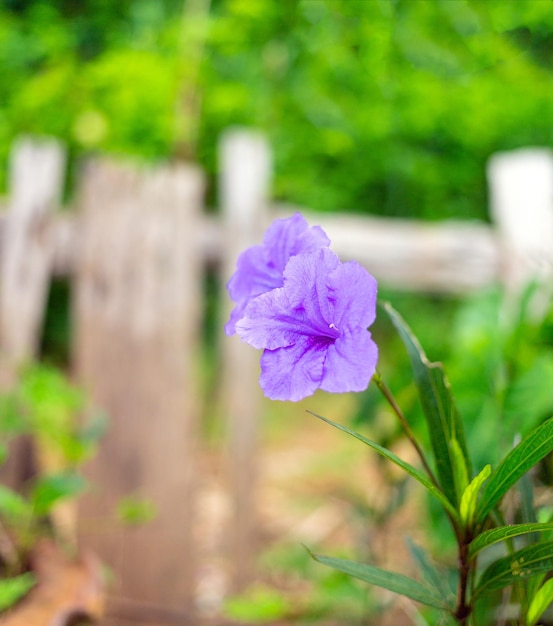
[431,574]
[406,467]
[460,469]
[50,489]
[398,583]
[495,535]
[13,589]
[520,565]
[12,505]
[541,600]
[529,451]
[467,508]
[528,515]
[443,421]
[526,491]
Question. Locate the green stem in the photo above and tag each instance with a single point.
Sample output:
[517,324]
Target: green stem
[377,378]
[466,566]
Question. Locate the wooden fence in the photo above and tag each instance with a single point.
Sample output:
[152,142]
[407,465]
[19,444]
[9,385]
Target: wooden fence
[136,246]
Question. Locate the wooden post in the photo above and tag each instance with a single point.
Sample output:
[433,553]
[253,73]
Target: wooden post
[138,322]
[245,166]
[521,205]
[36,182]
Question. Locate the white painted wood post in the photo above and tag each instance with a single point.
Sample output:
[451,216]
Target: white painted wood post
[36,183]
[245,166]
[521,205]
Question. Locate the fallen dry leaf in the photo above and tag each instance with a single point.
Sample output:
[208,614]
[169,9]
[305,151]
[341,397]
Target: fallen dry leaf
[65,588]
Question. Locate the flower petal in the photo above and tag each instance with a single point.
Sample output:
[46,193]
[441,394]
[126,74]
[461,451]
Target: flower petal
[305,282]
[350,363]
[287,237]
[253,277]
[260,268]
[269,322]
[253,274]
[352,291]
[235,315]
[294,372]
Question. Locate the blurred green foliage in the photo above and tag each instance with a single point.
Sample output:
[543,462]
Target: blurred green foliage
[299,591]
[501,367]
[388,106]
[135,511]
[12,589]
[259,605]
[45,406]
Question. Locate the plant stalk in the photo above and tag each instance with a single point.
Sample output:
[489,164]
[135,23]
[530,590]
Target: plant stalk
[377,378]
[464,610]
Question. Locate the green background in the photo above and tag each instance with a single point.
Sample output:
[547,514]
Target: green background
[387,107]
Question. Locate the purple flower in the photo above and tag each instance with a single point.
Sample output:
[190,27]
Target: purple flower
[313,329]
[260,268]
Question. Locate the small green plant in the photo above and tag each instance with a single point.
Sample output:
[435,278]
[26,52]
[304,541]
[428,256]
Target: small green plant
[471,501]
[44,406]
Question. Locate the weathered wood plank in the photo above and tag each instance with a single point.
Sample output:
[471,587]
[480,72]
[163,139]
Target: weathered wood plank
[26,256]
[137,316]
[36,182]
[244,183]
[521,206]
[449,256]
[445,257]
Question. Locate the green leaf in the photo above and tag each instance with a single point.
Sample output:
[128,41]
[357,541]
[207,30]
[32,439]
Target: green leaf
[136,511]
[467,508]
[495,535]
[13,589]
[12,505]
[433,576]
[50,489]
[398,583]
[460,469]
[520,565]
[12,420]
[531,450]
[258,605]
[528,514]
[541,600]
[527,506]
[406,467]
[443,420]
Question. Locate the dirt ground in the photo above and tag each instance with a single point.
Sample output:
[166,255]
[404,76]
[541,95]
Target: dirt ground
[319,488]
[315,487]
